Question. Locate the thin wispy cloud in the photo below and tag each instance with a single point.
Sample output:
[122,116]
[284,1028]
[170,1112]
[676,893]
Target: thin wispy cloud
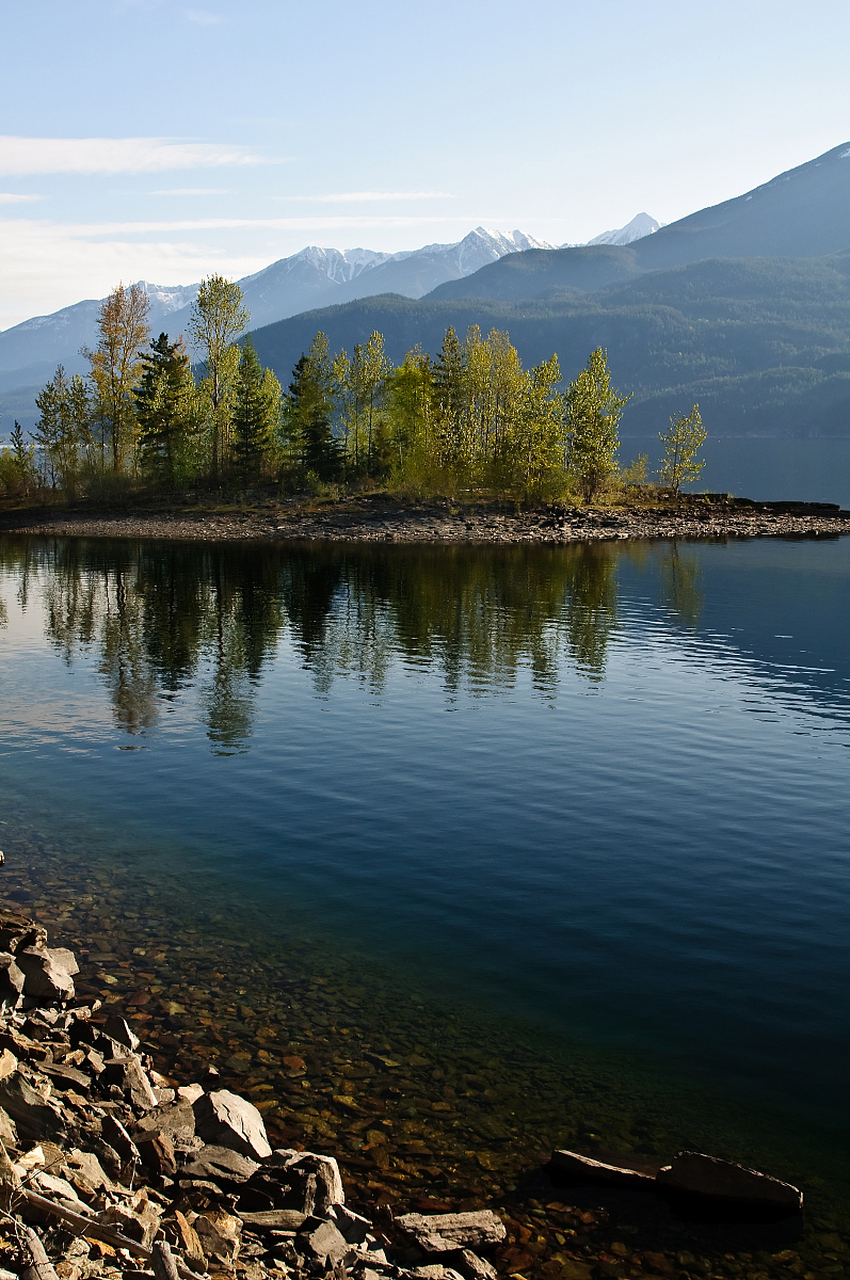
[192,191]
[9,197]
[368,197]
[308,223]
[116,155]
[203,18]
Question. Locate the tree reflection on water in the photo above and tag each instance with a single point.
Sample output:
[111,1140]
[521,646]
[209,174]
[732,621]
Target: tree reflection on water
[163,616]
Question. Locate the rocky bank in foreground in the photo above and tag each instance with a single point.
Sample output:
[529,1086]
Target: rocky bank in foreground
[108,1168]
[379,519]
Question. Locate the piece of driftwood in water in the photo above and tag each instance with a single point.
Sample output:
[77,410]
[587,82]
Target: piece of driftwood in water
[692,1173]
[570,1164]
[40,1266]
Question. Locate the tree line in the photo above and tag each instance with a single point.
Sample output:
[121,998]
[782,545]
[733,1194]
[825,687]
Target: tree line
[469,420]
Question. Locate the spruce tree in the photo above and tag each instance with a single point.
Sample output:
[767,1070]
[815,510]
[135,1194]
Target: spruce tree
[165,410]
[256,413]
[308,410]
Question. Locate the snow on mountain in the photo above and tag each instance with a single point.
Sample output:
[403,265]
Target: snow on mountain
[640,226]
[313,277]
[478,248]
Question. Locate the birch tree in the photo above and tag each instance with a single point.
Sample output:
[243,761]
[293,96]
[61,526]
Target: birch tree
[115,368]
[682,442]
[593,413]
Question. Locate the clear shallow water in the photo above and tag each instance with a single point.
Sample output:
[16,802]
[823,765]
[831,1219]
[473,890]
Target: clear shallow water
[597,792]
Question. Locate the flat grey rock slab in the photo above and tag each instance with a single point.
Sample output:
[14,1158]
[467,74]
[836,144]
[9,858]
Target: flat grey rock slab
[220,1164]
[274,1219]
[446,1232]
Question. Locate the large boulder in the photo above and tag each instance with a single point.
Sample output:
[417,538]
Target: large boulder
[19,930]
[223,1119]
[48,973]
[697,1174]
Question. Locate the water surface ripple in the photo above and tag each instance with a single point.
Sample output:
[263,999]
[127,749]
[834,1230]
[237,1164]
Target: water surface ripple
[599,789]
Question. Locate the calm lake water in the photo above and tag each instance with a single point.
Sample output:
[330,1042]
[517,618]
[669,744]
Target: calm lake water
[764,468]
[577,811]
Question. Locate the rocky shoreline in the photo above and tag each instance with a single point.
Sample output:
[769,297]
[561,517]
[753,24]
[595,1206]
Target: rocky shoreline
[109,1168]
[380,519]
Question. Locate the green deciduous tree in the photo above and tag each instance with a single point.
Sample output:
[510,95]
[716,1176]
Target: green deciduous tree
[682,441]
[593,412]
[17,465]
[167,412]
[360,385]
[63,431]
[409,404]
[218,318]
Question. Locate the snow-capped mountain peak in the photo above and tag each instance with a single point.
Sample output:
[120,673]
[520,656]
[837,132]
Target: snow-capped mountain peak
[641,225]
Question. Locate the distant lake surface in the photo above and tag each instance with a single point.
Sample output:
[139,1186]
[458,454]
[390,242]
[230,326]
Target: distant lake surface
[595,796]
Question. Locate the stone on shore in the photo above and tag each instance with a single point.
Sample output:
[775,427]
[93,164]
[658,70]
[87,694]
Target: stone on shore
[316,1178]
[698,1174]
[224,1119]
[219,1164]
[48,973]
[320,1239]
[11,981]
[132,1079]
[18,930]
[447,1232]
[220,1236]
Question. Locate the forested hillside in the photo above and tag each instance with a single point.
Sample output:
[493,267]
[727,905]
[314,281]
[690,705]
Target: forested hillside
[762,344]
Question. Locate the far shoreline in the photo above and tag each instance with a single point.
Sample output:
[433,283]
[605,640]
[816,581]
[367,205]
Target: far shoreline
[387,519]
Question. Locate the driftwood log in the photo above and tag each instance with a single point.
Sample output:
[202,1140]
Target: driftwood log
[96,1231]
[40,1266]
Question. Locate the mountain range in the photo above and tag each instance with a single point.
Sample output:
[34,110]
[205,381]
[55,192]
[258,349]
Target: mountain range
[744,306]
[314,277]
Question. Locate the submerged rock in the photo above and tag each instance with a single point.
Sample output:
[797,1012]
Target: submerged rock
[702,1175]
[584,1169]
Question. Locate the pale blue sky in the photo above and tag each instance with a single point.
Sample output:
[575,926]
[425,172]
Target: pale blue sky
[146,138]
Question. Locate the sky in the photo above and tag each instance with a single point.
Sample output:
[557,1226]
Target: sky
[148,139]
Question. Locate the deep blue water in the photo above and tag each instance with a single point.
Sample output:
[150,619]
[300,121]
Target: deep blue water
[601,788]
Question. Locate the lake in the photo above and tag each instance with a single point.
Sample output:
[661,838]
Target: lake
[560,834]
[768,469]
